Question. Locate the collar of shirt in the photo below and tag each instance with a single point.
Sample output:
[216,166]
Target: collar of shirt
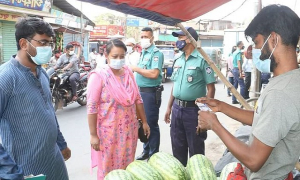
[194,54]
[21,66]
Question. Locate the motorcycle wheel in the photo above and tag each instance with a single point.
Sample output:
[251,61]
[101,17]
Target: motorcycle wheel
[55,102]
[82,101]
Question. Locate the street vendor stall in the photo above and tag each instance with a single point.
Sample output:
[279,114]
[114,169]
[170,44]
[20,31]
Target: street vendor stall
[172,13]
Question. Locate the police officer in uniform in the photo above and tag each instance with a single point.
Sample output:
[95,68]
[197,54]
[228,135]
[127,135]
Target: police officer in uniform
[148,78]
[193,78]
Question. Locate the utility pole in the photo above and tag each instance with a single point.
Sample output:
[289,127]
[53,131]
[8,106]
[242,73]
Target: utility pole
[256,75]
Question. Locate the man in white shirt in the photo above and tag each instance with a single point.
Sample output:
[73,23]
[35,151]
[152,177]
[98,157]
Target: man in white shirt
[100,59]
[247,68]
[132,57]
[92,58]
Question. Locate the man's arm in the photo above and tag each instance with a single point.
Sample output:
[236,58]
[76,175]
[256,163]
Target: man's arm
[61,142]
[240,65]
[169,107]
[148,73]
[58,63]
[210,90]
[8,168]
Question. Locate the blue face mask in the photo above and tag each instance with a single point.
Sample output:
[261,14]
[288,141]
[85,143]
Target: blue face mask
[263,66]
[117,63]
[180,44]
[43,54]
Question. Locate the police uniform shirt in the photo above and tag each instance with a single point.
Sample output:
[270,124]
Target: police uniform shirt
[237,56]
[191,76]
[151,58]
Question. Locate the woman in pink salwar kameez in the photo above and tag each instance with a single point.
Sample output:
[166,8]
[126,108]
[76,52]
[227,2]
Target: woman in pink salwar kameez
[113,102]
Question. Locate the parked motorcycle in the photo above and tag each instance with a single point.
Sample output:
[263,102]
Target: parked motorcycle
[61,89]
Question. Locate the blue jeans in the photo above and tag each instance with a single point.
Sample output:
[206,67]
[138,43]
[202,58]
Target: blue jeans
[231,80]
[152,114]
[238,81]
[183,133]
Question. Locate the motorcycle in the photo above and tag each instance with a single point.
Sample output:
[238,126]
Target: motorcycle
[61,89]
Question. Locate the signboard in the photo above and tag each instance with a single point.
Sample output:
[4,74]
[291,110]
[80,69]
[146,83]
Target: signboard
[9,16]
[139,22]
[102,31]
[38,5]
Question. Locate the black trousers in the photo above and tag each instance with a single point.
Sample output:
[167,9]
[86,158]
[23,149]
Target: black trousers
[247,84]
[74,78]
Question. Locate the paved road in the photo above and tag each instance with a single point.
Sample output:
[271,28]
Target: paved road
[73,124]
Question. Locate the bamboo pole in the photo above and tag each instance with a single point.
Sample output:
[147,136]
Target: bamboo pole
[214,67]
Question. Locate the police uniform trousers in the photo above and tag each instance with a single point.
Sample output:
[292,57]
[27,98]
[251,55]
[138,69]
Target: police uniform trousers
[152,114]
[184,121]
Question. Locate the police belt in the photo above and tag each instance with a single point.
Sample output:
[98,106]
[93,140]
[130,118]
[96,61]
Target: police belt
[182,103]
[148,89]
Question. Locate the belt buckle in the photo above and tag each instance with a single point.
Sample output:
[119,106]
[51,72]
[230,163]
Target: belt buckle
[182,103]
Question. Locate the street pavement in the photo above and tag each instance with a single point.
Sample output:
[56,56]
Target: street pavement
[74,126]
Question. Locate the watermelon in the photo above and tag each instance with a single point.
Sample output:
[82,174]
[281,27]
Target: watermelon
[228,169]
[200,167]
[141,170]
[119,174]
[168,166]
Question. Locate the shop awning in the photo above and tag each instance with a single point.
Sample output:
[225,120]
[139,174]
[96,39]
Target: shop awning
[168,12]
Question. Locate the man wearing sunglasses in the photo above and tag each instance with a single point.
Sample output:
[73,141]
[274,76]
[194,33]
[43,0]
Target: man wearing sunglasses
[28,126]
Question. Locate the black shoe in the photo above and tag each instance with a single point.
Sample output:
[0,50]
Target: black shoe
[143,156]
[235,102]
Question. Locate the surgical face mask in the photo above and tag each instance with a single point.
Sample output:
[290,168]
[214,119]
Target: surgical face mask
[71,53]
[129,49]
[145,43]
[263,66]
[180,44]
[43,54]
[117,63]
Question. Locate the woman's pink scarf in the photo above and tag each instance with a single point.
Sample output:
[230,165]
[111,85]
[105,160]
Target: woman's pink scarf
[124,95]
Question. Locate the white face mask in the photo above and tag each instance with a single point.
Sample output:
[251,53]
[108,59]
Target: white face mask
[145,43]
[129,49]
[117,63]
[71,53]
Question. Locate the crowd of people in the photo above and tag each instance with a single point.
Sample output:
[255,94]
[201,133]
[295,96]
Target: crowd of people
[125,88]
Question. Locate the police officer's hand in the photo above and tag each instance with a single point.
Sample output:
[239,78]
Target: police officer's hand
[207,120]
[167,115]
[132,67]
[146,129]
[213,104]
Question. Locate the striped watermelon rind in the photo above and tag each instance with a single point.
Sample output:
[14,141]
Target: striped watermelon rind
[228,169]
[143,171]
[200,167]
[119,174]
[168,166]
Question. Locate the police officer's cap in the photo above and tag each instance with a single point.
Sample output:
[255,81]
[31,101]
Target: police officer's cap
[190,30]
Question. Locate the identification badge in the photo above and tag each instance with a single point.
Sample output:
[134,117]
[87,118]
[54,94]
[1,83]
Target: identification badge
[190,78]
[208,70]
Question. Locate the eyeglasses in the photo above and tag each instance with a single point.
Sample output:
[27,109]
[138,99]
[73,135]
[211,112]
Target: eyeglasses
[45,43]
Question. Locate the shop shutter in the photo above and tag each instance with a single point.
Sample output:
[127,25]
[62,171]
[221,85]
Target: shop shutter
[67,39]
[9,40]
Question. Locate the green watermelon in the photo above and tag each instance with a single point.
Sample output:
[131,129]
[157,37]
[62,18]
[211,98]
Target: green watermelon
[143,171]
[200,167]
[119,174]
[168,166]
[228,169]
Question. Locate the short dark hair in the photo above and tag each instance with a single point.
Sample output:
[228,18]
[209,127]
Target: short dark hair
[93,49]
[56,52]
[115,43]
[147,29]
[27,27]
[279,19]
[69,46]
[239,43]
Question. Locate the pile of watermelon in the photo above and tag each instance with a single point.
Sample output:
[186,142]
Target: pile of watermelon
[163,166]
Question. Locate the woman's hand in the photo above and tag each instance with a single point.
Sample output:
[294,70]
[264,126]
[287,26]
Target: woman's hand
[95,142]
[213,104]
[146,129]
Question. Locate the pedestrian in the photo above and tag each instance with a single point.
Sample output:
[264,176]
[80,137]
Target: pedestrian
[237,70]
[229,67]
[247,68]
[149,78]
[101,59]
[271,152]
[192,78]
[113,104]
[92,58]
[29,129]
[54,59]
[69,62]
[132,57]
